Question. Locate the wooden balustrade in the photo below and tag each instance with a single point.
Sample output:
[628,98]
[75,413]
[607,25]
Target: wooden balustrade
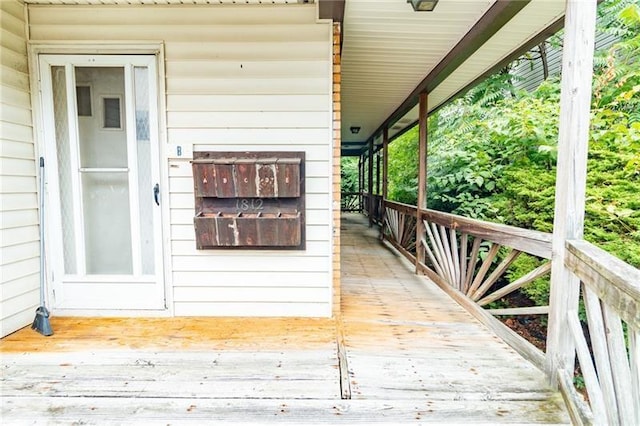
[462,252]
[611,296]
[467,258]
[377,208]
[351,201]
[400,224]
[463,255]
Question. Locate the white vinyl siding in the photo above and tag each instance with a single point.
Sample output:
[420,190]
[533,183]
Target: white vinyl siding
[19,241]
[238,78]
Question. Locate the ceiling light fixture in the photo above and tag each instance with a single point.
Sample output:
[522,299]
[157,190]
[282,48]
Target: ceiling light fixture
[423,5]
[355,129]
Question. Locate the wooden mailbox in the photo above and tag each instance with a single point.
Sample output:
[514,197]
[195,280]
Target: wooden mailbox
[250,200]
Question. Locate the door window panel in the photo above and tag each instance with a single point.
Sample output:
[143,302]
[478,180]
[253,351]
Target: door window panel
[61,115]
[107,230]
[145,183]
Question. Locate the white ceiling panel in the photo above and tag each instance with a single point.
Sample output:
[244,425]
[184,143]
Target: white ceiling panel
[388,49]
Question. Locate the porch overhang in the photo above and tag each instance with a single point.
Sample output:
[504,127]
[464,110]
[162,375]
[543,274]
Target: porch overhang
[391,54]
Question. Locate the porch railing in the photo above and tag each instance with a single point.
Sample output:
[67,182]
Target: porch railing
[351,202]
[611,367]
[462,255]
[469,260]
[377,206]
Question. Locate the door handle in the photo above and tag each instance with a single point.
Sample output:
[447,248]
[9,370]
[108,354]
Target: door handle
[156,193]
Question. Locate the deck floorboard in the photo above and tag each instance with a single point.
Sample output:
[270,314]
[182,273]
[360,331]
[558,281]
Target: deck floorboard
[411,355]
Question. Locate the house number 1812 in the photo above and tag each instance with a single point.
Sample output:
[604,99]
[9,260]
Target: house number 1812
[246,204]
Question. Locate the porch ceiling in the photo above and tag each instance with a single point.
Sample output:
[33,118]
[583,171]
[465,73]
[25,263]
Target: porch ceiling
[391,53]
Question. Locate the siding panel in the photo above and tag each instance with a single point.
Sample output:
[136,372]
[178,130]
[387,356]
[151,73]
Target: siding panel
[16,236]
[196,15]
[19,256]
[186,247]
[252,309]
[247,120]
[181,168]
[237,78]
[257,86]
[15,114]
[248,69]
[250,136]
[14,78]
[282,51]
[232,34]
[257,278]
[20,286]
[14,219]
[252,102]
[20,269]
[258,294]
[185,232]
[19,252]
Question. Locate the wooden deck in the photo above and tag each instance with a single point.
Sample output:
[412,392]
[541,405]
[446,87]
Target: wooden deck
[402,352]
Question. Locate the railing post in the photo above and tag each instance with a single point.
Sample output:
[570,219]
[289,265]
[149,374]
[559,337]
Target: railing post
[370,183]
[378,173]
[360,184]
[422,176]
[571,175]
[385,175]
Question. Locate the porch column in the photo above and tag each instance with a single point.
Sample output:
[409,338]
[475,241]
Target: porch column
[360,184]
[378,173]
[571,176]
[370,183]
[385,176]
[422,176]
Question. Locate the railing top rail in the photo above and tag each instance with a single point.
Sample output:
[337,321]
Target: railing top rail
[528,241]
[533,242]
[402,208]
[614,281]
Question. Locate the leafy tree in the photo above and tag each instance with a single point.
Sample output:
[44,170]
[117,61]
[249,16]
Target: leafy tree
[349,174]
[403,168]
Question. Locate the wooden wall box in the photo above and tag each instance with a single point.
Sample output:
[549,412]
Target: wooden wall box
[250,200]
[288,172]
[225,183]
[247,230]
[245,177]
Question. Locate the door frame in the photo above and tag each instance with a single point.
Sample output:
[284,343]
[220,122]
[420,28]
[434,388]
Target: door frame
[37,98]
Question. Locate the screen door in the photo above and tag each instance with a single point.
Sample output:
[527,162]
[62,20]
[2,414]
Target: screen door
[102,167]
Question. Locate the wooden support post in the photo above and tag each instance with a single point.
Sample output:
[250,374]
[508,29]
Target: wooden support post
[422,176]
[360,182]
[571,176]
[370,183]
[385,176]
[378,173]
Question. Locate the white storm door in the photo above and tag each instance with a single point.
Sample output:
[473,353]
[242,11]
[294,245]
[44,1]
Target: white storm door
[102,165]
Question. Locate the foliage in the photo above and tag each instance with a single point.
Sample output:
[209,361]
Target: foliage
[403,168]
[349,174]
